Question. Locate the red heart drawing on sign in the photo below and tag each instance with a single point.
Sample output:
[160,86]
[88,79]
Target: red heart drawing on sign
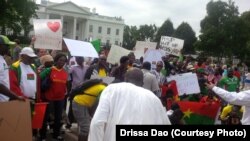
[53,26]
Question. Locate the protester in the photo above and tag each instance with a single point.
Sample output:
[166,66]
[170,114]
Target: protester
[5,93]
[77,74]
[55,94]
[46,62]
[100,69]
[16,50]
[126,103]
[119,71]
[131,61]
[84,103]
[236,98]
[160,73]
[149,80]
[23,78]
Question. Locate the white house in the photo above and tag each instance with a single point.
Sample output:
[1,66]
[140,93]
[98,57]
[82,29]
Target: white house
[83,24]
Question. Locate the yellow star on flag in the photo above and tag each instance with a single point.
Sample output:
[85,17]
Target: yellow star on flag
[187,113]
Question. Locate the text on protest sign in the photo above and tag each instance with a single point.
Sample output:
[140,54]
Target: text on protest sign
[171,45]
[187,83]
[48,33]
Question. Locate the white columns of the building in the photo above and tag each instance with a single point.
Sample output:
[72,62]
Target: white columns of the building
[62,20]
[85,30]
[74,28]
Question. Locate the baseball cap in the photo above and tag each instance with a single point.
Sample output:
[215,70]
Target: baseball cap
[5,40]
[28,51]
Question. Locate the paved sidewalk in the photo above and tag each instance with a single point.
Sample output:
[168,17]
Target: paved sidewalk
[68,136]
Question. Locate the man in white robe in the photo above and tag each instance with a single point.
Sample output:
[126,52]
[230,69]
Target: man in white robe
[241,98]
[126,103]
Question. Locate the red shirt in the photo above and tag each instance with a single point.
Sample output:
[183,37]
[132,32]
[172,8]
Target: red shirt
[58,85]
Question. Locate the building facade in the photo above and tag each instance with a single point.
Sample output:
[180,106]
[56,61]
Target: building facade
[81,23]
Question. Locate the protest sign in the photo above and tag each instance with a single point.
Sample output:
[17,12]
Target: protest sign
[15,121]
[48,33]
[153,56]
[80,48]
[187,83]
[115,53]
[141,48]
[171,45]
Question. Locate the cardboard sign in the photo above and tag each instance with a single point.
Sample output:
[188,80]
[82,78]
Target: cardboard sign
[141,48]
[80,48]
[115,53]
[15,121]
[141,45]
[153,56]
[171,45]
[187,83]
[48,33]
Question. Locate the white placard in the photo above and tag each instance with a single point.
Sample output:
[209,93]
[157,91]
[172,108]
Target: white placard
[141,48]
[48,33]
[153,56]
[171,45]
[80,48]
[186,83]
[115,53]
[106,80]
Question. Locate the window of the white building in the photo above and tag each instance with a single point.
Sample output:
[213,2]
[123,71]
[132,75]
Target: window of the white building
[117,32]
[77,26]
[99,29]
[116,42]
[108,30]
[90,28]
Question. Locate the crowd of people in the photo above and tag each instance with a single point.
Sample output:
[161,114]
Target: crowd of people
[136,96]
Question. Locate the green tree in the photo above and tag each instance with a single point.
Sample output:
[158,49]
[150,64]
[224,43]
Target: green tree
[167,29]
[220,30]
[15,16]
[147,32]
[245,18]
[185,32]
[130,37]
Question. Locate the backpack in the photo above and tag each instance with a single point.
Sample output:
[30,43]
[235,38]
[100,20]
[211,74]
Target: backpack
[81,88]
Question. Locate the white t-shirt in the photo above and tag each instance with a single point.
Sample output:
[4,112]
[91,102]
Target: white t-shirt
[28,81]
[4,77]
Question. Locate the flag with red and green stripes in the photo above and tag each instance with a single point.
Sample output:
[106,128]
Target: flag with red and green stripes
[199,113]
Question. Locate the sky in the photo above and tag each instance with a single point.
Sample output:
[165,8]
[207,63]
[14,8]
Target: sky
[141,12]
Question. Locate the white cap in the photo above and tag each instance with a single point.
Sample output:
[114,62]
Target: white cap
[28,51]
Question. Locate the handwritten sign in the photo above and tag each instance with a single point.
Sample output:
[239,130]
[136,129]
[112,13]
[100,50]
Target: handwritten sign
[187,83]
[48,33]
[171,45]
[115,53]
[15,121]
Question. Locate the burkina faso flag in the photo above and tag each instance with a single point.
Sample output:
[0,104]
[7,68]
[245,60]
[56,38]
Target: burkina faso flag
[198,113]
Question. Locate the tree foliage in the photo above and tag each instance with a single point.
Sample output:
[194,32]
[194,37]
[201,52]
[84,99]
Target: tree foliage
[133,34]
[185,32]
[167,29]
[15,16]
[223,33]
